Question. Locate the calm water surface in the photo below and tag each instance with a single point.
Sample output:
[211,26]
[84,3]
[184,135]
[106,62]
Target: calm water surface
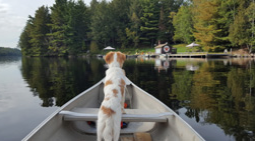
[216,97]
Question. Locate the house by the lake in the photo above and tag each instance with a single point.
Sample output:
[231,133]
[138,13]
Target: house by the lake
[164,49]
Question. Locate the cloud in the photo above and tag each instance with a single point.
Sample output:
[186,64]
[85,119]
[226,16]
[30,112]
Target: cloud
[11,26]
[3,7]
[10,30]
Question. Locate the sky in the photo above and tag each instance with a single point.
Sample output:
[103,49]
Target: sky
[13,17]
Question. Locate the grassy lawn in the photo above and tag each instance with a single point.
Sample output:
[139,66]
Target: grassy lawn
[181,48]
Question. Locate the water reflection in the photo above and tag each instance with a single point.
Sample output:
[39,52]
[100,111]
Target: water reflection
[224,89]
[57,80]
[219,92]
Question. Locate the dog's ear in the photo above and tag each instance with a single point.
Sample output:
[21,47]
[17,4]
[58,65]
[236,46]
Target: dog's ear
[121,58]
[124,57]
[109,57]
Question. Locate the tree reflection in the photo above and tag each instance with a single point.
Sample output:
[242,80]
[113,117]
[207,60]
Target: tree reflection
[57,80]
[226,93]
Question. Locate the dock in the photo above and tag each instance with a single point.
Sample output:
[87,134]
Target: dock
[200,55]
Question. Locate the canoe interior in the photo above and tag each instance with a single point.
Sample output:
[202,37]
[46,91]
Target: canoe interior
[55,129]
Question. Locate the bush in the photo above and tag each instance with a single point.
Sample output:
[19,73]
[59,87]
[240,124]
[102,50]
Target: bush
[94,47]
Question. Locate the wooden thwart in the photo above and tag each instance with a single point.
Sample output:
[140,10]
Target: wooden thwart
[136,116]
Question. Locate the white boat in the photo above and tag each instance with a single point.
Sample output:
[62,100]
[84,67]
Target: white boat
[146,115]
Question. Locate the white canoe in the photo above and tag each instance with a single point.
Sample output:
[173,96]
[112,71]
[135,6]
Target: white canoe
[146,115]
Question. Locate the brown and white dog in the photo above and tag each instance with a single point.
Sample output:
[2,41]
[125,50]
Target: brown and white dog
[112,107]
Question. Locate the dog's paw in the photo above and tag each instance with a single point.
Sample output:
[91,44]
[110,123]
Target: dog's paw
[123,111]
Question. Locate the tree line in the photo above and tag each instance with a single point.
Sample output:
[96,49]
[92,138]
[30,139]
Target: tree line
[71,27]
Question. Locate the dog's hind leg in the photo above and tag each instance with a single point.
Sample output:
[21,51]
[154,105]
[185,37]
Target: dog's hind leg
[100,130]
[116,134]
[123,104]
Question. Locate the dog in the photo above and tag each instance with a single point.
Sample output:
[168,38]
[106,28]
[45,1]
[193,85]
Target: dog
[112,107]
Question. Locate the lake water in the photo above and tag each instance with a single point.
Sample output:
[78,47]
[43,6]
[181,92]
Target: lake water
[216,97]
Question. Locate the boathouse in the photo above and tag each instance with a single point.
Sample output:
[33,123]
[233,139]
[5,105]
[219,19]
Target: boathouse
[165,48]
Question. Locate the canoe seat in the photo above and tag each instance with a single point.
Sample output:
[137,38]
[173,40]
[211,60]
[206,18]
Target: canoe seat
[133,115]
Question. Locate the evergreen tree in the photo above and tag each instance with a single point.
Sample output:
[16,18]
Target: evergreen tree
[149,22]
[78,27]
[101,23]
[133,29]
[25,37]
[204,24]
[250,12]
[119,10]
[226,12]
[238,34]
[166,28]
[58,35]
[94,47]
[212,20]
[39,39]
[242,30]
[208,28]
[109,21]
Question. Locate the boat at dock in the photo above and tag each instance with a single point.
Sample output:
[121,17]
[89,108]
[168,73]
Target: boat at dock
[145,116]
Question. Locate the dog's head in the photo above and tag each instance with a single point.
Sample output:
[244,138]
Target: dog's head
[115,59]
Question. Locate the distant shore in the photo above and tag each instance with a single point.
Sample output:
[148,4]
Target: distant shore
[9,51]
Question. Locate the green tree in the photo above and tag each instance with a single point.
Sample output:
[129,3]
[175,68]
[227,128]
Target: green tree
[242,30]
[166,28]
[78,27]
[133,30]
[250,12]
[226,16]
[39,40]
[149,22]
[58,35]
[183,25]
[94,47]
[25,37]
[211,22]
[109,22]
[100,23]
[204,22]
[119,10]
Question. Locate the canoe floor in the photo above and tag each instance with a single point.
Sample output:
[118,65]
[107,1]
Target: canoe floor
[137,137]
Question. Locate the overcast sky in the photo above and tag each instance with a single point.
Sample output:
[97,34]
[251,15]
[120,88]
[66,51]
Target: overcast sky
[13,17]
